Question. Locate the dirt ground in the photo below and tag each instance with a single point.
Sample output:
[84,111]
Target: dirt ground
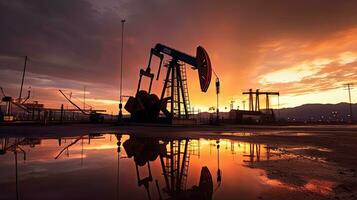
[309,156]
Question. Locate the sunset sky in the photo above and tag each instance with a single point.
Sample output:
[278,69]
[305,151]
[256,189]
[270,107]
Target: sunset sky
[305,49]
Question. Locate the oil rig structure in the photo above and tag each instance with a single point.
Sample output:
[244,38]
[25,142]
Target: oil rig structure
[257,94]
[21,109]
[173,106]
[94,115]
[255,113]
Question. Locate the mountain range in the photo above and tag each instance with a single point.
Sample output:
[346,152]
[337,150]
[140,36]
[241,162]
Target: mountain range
[318,112]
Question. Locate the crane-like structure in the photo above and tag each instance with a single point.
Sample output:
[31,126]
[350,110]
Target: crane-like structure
[174,99]
[257,94]
[94,116]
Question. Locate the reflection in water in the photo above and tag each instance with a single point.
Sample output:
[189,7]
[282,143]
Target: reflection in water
[118,136]
[14,145]
[174,158]
[219,173]
[152,168]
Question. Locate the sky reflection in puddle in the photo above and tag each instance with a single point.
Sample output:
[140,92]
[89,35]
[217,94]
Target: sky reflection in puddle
[95,167]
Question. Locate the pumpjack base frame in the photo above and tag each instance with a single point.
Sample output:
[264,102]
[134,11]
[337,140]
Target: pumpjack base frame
[163,121]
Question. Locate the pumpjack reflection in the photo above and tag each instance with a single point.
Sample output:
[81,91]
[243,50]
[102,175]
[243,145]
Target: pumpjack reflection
[174,158]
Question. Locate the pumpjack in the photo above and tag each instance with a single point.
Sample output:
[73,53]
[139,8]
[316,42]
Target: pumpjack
[174,99]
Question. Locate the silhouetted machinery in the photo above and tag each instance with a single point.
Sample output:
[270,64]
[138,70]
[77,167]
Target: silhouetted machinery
[94,116]
[7,116]
[174,99]
[268,115]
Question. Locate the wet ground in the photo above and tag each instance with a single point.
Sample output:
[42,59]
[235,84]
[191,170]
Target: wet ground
[91,162]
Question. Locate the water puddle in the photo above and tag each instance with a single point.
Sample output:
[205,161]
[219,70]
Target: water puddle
[119,166]
[269,133]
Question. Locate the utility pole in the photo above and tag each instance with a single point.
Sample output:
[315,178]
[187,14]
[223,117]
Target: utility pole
[217,92]
[279,105]
[349,88]
[23,78]
[120,116]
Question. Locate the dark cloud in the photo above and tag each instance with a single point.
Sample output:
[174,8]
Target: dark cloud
[80,40]
[58,37]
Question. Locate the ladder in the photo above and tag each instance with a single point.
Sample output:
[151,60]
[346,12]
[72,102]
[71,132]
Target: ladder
[185,170]
[180,93]
[173,164]
[185,88]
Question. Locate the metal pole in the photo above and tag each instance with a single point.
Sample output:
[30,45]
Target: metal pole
[279,105]
[217,110]
[217,92]
[23,77]
[121,71]
[349,96]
